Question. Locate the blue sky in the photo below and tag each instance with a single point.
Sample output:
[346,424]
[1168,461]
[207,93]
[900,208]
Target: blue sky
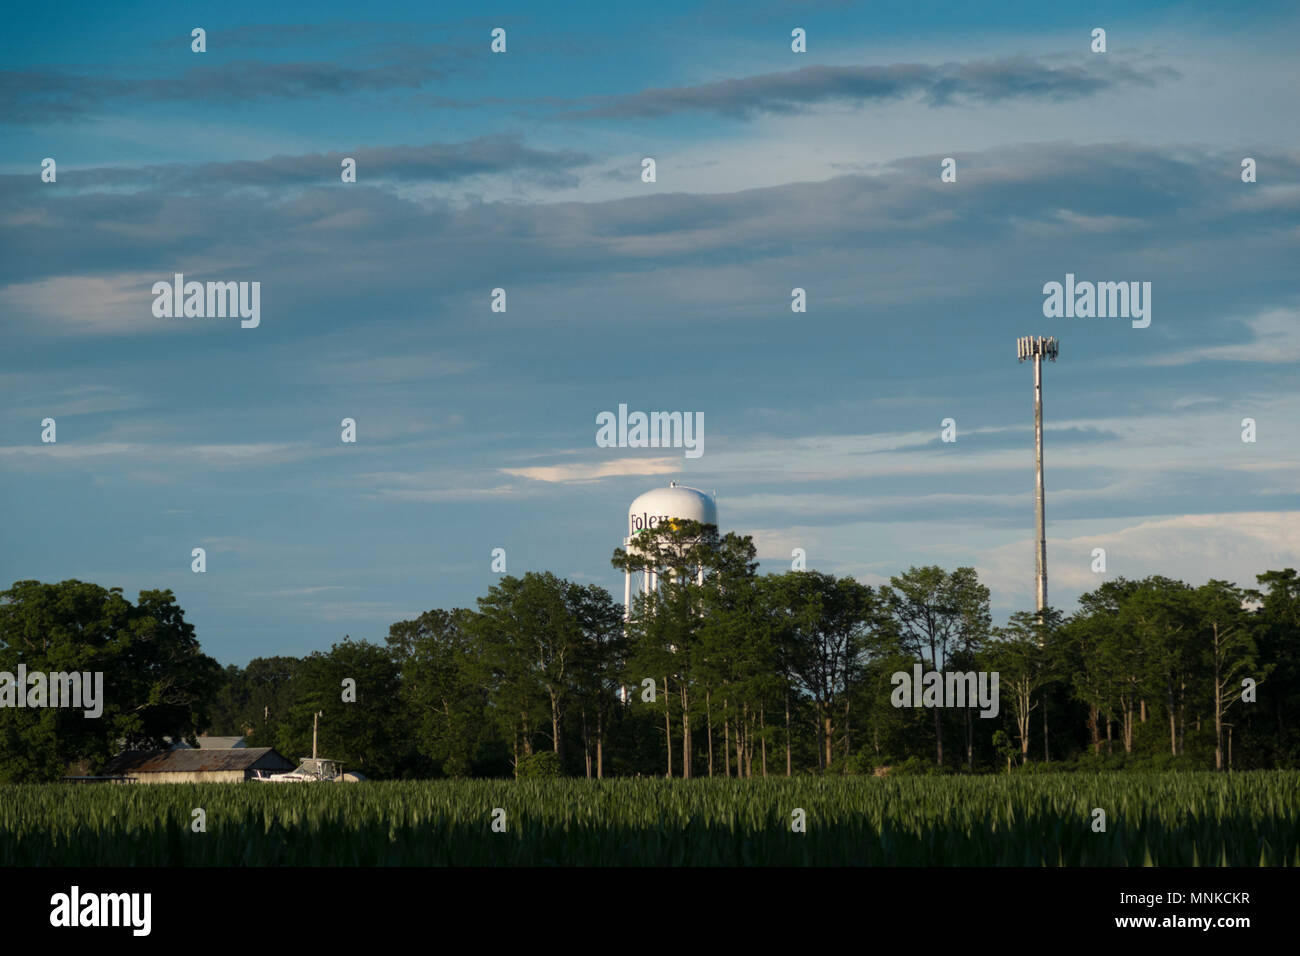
[775,170]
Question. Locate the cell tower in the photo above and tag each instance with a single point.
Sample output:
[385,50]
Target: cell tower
[1036,349]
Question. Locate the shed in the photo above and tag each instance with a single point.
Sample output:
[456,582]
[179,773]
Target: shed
[233,765]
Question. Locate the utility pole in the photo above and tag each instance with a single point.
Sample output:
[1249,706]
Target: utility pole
[315,722]
[1036,349]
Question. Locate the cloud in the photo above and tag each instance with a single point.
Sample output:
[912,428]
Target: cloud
[791,91]
[77,400]
[499,154]
[65,451]
[175,457]
[1195,548]
[1207,440]
[298,592]
[593,471]
[834,508]
[429,495]
[37,98]
[1275,338]
[428,486]
[723,246]
[99,305]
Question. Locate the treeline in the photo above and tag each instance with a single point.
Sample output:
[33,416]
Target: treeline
[723,672]
[720,671]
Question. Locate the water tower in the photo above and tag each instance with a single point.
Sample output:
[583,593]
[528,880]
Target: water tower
[679,502]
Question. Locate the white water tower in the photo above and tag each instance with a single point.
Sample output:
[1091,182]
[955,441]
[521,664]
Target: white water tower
[679,502]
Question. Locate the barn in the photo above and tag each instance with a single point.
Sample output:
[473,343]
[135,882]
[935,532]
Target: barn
[193,765]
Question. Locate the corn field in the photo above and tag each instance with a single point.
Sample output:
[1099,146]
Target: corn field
[1171,819]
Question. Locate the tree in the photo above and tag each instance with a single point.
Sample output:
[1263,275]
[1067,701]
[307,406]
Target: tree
[1160,614]
[264,695]
[365,732]
[972,632]
[1228,649]
[157,683]
[600,655]
[768,623]
[826,639]
[1090,679]
[534,634]
[665,630]
[735,658]
[1003,746]
[1122,657]
[937,612]
[1276,626]
[446,706]
[225,715]
[1022,656]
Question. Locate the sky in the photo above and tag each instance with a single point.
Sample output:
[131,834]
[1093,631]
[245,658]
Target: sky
[523,170]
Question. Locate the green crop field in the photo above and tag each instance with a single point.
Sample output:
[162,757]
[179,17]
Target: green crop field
[1172,819]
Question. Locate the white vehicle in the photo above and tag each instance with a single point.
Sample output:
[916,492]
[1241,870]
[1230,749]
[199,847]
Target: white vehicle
[312,770]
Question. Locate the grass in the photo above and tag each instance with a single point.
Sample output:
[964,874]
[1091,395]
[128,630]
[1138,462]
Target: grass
[1169,819]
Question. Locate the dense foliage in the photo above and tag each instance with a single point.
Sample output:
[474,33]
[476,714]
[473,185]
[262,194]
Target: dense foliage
[720,672]
[724,672]
[156,681]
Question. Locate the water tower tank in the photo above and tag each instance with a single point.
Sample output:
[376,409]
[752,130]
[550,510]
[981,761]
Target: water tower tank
[675,501]
[658,507]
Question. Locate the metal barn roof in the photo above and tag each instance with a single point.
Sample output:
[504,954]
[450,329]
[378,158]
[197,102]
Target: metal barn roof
[197,761]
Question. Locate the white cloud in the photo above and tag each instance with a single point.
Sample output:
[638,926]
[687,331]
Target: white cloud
[593,471]
[175,456]
[98,305]
[1275,338]
[81,400]
[1194,548]
[441,493]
